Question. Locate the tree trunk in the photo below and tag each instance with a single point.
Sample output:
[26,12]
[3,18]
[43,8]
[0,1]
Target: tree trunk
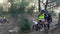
[39,8]
[46,5]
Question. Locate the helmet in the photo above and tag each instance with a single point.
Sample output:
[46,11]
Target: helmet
[43,11]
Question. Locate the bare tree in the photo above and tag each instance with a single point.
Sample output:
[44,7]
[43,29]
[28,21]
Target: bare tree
[39,6]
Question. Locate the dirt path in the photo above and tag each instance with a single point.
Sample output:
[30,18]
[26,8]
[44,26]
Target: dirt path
[36,32]
[52,32]
[5,27]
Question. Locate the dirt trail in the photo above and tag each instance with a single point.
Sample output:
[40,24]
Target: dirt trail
[5,27]
[52,32]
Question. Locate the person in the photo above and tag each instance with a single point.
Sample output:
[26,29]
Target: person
[41,16]
[41,20]
[48,18]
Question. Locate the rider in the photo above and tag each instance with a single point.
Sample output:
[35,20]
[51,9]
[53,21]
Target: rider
[41,16]
[41,19]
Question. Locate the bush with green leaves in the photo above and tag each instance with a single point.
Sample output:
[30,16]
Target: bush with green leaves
[24,24]
[21,14]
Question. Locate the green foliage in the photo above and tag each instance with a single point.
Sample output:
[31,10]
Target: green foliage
[52,13]
[22,7]
[14,13]
[21,10]
[24,24]
[4,13]
[58,3]
[30,10]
